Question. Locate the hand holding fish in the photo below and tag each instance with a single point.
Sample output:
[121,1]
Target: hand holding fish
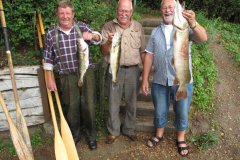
[200,34]
[190,17]
[90,36]
[110,37]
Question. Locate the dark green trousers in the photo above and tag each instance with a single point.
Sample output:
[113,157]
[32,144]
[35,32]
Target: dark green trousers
[79,103]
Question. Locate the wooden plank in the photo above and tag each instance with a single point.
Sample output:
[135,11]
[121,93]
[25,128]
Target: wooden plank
[21,70]
[29,98]
[31,121]
[31,95]
[35,111]
[22,81]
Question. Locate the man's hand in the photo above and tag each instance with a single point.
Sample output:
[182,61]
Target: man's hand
[51,85]
[190,17]
[87,36]
[145,88]
[110,37]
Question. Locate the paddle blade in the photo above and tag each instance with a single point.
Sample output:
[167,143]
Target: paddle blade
[22,128]
[68,140]
[22,150]
[60,150]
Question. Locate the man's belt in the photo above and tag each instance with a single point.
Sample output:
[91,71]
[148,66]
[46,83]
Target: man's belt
[136,65]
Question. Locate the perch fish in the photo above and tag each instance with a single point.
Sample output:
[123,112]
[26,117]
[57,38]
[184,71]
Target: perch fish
[83,59]
[115,56]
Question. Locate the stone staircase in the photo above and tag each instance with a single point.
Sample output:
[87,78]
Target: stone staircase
[145,109]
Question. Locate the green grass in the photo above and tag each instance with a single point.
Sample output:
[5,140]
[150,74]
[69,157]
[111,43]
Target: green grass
[37,138]
[206,140]
[1,144]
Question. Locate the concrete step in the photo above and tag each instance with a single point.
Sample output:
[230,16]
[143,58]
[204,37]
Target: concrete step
[148,30]
[145,108]
[147,37]
[142,97]
[145,124]
[150,22]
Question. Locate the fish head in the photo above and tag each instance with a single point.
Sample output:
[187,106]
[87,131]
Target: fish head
[82,45]
[116,38]
[178,20]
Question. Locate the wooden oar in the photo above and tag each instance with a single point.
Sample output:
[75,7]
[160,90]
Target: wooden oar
[20,121]
[66,132]
[17,139]
[60,149]
[40,23]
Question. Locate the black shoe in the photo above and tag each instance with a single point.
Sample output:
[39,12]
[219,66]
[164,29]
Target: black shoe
[92,144]
[76,140]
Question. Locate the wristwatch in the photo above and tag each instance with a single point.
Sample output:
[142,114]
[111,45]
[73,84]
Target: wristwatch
[196,24]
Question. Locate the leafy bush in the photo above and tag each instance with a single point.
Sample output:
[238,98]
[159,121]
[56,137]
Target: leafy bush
[21,23]
[230,37]
[227,10]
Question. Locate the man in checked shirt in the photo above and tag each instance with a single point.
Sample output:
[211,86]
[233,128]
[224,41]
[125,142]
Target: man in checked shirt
[64,57]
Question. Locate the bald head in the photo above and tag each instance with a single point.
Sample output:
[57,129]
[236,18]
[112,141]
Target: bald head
[166,1]
[125,2]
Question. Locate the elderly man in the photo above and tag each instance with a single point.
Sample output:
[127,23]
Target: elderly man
[61,50]
[132,53]
[160,54]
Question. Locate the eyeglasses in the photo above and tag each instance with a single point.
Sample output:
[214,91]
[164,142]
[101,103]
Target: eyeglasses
[124,11]
[168,7]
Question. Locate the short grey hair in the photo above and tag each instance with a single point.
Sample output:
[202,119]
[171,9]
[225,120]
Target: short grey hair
[127,0]
[64,4]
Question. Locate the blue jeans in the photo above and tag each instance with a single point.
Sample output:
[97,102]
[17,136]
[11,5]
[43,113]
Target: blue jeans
[162,96]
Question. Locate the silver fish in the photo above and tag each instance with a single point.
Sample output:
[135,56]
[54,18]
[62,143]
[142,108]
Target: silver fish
[83,59]
[115,56]
[181,51]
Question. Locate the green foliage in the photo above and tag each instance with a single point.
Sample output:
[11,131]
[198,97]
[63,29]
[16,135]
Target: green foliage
[21,23]
[37,138]
[144,8]
[206,140]
[204,73]
[10,147]
[1,145]
[204,70]
[227,10]
[230,37]
[154,4]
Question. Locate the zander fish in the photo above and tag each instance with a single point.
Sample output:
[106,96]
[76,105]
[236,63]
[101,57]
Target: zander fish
[115,56]
[83,59]
[181,51]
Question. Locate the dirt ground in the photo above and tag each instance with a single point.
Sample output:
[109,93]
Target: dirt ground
[226,117]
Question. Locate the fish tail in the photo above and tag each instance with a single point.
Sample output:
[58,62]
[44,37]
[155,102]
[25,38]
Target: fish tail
[181,93]
[80,83]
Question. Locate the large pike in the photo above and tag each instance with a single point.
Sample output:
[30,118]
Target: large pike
[83,59]
[181,51]
[115,55]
